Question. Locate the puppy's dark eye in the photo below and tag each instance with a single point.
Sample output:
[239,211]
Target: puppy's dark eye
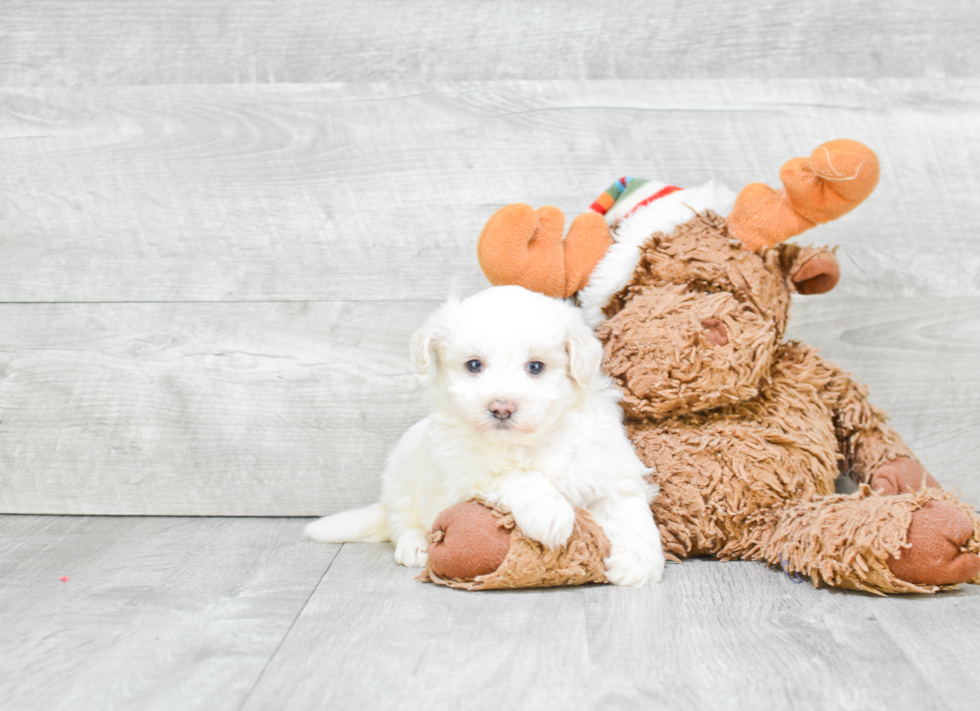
[474,366]
[535,367]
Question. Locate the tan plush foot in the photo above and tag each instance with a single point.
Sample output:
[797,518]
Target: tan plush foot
[902,476]
[467,540]
[474,547]
[936,537]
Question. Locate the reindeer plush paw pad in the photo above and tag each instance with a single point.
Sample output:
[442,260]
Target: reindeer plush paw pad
[902,476]
[476,547]
[937,551]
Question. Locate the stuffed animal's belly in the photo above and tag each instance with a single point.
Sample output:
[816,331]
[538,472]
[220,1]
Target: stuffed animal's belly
[717,469]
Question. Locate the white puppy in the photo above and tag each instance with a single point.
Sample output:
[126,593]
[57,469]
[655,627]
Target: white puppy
[523,418]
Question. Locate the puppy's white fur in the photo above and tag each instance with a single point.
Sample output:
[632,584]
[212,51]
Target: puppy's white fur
[562,446]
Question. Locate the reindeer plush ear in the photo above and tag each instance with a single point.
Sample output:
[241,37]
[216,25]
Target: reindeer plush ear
[808,270]
[834,180]
[817,276]
[523,246]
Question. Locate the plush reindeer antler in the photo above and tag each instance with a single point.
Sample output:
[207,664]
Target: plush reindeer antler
[832,181]
[522,246]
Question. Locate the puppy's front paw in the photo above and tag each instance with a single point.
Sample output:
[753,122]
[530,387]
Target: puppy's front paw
[635,564]
[549,523]
[410,550]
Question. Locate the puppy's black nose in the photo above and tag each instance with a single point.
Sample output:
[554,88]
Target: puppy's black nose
[502,409]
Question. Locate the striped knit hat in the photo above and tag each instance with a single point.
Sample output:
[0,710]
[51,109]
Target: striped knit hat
[627,195]
[651,207]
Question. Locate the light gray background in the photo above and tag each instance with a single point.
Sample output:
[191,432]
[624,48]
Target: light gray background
[220,223]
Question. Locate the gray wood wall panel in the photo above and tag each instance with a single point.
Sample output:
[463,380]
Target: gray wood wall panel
[360,205]
[59,42]
[378,192]
[919,359]
[198,409]
[289,408]
[156,613]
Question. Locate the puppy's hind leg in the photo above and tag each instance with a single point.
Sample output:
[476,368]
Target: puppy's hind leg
[636,556]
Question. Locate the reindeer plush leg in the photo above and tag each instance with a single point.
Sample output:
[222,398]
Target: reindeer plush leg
[474,547]
[874,454]
[920,542]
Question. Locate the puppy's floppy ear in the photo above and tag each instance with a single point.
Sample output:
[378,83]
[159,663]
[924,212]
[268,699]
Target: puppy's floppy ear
[584,353]
[423,346]
[426,339]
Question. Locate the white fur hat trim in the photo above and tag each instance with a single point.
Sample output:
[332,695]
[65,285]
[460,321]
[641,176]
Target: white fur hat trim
[616,268]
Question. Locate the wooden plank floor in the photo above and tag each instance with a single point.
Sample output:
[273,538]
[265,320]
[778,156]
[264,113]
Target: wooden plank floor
[217,613]
[220,222]
[156,612]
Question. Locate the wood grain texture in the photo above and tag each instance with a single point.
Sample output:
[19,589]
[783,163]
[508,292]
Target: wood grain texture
[221,221]
[712,635]
[920,362]
[163,613]
[378,192]
[201,409]
[156,613]
[58,42]
[289,409]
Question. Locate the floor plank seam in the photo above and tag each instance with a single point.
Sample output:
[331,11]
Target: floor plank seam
[285,636]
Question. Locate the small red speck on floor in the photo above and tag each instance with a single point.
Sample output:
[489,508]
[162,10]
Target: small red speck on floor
[64,578]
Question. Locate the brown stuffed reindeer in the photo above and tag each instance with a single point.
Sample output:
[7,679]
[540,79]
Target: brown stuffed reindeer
[745,432]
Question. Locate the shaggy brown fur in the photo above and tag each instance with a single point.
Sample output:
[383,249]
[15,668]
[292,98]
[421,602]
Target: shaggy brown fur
[845,541]
[747,433]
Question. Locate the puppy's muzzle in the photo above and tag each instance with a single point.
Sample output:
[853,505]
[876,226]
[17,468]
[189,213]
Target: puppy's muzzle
[502,409]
